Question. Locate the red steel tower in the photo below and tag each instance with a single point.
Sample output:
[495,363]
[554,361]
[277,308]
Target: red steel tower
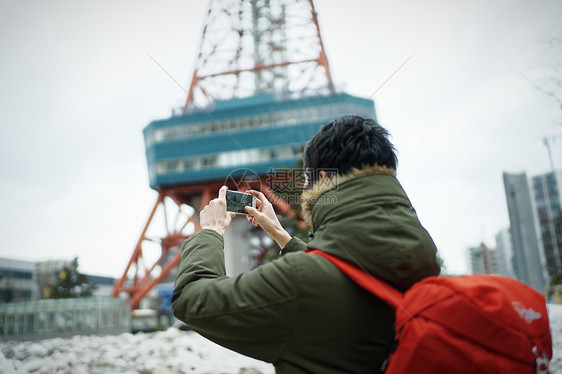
[248,49]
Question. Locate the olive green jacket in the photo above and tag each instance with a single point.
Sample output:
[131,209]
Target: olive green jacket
[299,312]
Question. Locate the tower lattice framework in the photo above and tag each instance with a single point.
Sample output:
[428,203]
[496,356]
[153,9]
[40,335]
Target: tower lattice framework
[258,46]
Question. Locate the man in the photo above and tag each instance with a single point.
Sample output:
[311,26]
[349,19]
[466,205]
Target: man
[300,312]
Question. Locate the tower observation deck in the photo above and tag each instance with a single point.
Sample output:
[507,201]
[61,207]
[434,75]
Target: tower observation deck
[261,88]
[258,133]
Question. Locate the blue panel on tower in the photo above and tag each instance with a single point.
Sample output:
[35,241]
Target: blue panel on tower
[258,133]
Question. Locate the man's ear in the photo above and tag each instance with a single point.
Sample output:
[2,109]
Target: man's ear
[322,174]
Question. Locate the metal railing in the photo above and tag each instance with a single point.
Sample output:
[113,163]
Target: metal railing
[64,317]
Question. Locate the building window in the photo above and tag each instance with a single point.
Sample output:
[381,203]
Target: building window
[264,155]
[285,152]
[230,158]
[158,135]
[196,163]
[214,159]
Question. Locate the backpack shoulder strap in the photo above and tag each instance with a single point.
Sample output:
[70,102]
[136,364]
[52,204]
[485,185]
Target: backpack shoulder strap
[374,285]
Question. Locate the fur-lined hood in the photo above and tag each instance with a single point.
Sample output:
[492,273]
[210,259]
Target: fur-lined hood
[312,195]
[366,218]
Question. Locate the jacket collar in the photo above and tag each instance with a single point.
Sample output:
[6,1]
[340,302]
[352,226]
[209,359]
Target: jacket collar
[310,196]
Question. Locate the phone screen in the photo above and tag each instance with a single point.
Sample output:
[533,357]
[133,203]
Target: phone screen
[236,201]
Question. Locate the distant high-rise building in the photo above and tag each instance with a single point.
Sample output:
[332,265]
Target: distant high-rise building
[527,250]
[483,260]
[546,189]
[504,254]
[475,260]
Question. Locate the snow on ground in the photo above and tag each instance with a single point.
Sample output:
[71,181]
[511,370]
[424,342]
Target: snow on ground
[171,351]
[555,317]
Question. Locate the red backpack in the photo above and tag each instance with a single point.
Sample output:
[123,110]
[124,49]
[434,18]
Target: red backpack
[465,324]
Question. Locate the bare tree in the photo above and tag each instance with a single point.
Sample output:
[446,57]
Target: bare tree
[550,80]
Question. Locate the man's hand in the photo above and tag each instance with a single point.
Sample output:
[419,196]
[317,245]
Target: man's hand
[265,217]
[214,216]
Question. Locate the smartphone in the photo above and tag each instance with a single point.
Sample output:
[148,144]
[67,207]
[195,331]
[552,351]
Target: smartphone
[236,201]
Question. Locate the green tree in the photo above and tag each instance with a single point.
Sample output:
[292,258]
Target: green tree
[71,283]
[555,285]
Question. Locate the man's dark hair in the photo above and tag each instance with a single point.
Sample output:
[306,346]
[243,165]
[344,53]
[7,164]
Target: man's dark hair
[349,142]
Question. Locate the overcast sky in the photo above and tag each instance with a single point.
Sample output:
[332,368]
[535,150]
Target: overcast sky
[77,87]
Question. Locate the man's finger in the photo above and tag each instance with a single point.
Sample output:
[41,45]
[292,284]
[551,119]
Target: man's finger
[262,197]
[222,193]
[252,211]
[259,195]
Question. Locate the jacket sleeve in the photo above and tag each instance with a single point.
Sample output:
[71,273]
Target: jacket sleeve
[253,313]
[294,245]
